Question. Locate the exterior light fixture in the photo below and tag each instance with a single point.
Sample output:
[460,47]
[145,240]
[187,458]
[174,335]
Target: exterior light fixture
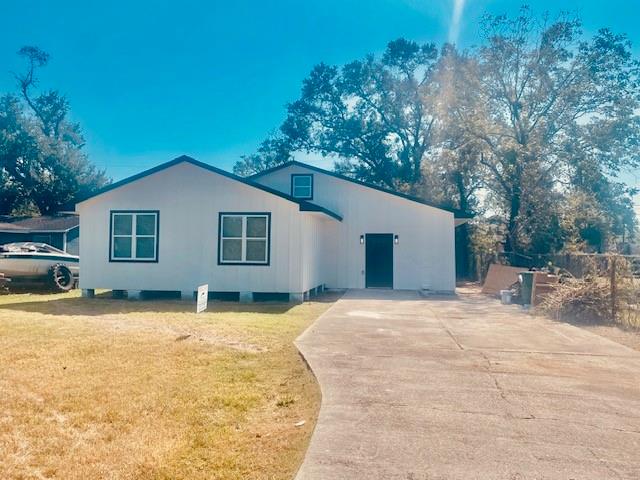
[361,239]
[396,239]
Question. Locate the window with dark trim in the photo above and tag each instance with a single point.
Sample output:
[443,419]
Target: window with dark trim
[302,185]
[134,236]
[244,238]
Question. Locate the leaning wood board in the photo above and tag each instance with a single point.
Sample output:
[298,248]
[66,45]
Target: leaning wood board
[500,277]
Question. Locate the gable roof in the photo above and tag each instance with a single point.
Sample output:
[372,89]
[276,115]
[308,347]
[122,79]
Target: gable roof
[304,205]
[44,223]
[456,212]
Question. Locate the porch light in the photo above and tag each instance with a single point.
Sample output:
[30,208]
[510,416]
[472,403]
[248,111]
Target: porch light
[396,239]
[361,239]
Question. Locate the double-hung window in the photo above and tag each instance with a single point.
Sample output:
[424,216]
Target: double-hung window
[244,238]
[134,236]
[302,186]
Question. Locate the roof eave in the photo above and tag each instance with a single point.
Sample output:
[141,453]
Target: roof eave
[312,207]
[39,230]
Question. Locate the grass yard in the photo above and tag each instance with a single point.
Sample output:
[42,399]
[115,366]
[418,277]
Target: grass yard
[103,388]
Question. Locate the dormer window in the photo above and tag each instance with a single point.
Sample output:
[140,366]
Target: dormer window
[302,186]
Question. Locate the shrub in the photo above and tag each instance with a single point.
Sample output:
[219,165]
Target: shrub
[600,296]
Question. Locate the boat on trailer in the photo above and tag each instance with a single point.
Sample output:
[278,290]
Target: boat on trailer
[32,262]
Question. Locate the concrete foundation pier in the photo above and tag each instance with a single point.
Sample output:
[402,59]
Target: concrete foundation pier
[246,297]
[88,293]
[134,294]
[296,297]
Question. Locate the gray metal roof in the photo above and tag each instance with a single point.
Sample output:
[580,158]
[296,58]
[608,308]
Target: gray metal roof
[44,223]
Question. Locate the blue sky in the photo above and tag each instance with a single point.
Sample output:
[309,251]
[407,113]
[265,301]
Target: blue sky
[150,80]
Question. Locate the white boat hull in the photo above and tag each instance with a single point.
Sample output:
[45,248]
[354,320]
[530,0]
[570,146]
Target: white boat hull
[23,265]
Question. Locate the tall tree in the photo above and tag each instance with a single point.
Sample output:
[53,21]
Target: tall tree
[370,114]
[535,118]
[42,165]
[19,156]
[546,101]
[599,209]
[273,151]
[452,174]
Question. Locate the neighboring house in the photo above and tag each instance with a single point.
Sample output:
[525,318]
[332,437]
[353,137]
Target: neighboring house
[61,230]
[288,230]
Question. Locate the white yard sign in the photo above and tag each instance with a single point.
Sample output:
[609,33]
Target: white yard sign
[203,296]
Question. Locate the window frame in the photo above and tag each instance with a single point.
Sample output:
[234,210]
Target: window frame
[298,175]
[244,238]
[133,236]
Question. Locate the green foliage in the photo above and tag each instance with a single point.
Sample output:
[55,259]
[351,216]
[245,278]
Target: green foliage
[42,165]
[532,127]
[369,113]
[272,152]
[551,103]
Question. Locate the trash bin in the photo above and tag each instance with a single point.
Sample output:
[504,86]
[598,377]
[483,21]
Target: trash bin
[505,297]
[526,286]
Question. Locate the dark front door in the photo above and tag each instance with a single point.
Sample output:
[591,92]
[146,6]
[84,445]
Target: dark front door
[379,260]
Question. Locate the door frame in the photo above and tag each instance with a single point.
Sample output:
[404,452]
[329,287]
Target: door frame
[393,263]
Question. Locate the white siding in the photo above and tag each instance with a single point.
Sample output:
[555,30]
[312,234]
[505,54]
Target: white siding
[189,199]
[307,248]
[425,255]
[314,264]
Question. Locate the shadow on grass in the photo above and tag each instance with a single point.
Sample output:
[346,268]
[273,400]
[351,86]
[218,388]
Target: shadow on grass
[104,304]
[29,289]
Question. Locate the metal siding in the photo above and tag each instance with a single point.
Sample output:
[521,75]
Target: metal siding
[189,200]
[425,254]
[73,241]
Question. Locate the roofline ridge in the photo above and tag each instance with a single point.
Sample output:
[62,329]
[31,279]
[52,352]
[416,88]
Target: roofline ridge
[457,212]
[211,168]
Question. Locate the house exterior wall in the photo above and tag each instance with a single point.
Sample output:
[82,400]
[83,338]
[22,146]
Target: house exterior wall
[424,256]
[73,241]
[315,269]
[189,200]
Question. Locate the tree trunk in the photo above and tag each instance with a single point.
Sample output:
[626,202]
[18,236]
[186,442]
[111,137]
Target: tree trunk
[511,241]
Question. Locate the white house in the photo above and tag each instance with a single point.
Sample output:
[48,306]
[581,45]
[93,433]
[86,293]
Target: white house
[289,230]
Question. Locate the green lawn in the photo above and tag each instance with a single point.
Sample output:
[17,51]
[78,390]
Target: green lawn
[103,388]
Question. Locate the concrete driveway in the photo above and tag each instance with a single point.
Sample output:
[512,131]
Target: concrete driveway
[466,388]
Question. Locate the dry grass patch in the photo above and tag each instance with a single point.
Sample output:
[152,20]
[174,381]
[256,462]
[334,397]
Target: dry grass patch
[106,388]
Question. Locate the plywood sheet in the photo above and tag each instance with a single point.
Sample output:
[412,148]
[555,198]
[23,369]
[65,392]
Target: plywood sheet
[500,277]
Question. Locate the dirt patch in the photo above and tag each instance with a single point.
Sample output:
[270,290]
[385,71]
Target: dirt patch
[143,324]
